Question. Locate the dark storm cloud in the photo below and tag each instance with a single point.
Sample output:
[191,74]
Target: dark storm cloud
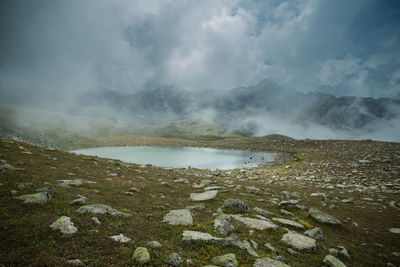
[54,47]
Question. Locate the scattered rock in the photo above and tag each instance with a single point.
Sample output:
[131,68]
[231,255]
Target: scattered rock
[288,204]
[222,224]
[262,212]
[249,248]
[290,223]
[203,183]
[96,220]
[50,190]
[182,180]
[75,262]
[322,217]
[269,247]
[121,238]
[81,200]
[37,198]
[65,225]
[174,259]
[208,195]
[76,182]
[315,233]
[256,223]
[154,244]
[394,230]
[331,261]
[179,217]
[102,209]
[199,207]
[141,255]
[227,260]
[267,262]
[343,251]
[236,205]
[299,242]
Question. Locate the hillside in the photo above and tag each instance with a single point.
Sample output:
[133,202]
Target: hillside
[356,182]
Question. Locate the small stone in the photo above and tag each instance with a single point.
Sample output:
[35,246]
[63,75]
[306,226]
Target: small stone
[256,223]
[179,217]
[78,201]
[174,259]
[37,198]
[134,190]
[315,233]
[270,247]
[208,195]
[222,224]
[96,220]
[290,223]
[394,230]
[249,248]
[14,192]
[65,225]
[343,251]
[102,209]
[288,204]
[121,238]
[236,205]
[75,262]
[154,244]
[50,190]
[299,242]
[331,261]
[227,260]
[141,255]
[182,180]
[199,207]
[322,217]
[333,251]
[267,262]
[262,212]
[292,251]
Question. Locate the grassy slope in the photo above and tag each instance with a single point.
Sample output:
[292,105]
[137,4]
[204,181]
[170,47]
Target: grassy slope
[26,238]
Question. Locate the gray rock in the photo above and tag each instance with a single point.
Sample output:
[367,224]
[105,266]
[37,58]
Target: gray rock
[76,182]
[267,262]
[256,223]
[236,205]
[249,248]
[203,183]
[208,195]
[315,233]
[179,217]
[154,244]
[290,223]
[292,251]
[121,238]
[222,224]
[141,255]
[299,242]
[343,251]
[50,190]
[333,251]
[227,260]
[102,209]
[182,180]
[262,212]
[288,204]
[199,207]
[75,262]
[331,261]
[65,225]
[96,220]
[174,259]
[79,201]
[37,198]
[322,217]
[269,247]
[394,230]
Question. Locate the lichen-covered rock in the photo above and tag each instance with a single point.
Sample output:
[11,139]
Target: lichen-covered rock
[289,204]
[208,195]
[37,198]
[332,261]
[154,244]
[50,190]
[227,260]
[299,242]
[236,205]
[102,209]
[322,217]
[141,255]
[249,248]
[65,225]
[262,212]
[81,200]
[256,223]
[121,238]
[290,223]
[178,217]
[315,233]
[222,224]
[174,259]
[267,262]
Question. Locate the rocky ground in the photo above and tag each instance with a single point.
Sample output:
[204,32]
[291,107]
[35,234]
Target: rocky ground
[336,205]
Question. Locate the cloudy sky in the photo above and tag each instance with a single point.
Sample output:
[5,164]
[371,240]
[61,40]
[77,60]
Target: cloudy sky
[343,47]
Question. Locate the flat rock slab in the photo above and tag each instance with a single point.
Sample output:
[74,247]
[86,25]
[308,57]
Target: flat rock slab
[102,209]
[65,225]
[200,236]
[76,182]
[256,223]
[208,195]
[267,262]
[323,217]
[332,261]
[299,242]
[121,238]
[37,198]
[178,217]
[290,223]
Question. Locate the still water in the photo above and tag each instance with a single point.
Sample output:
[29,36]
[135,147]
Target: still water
[181,157]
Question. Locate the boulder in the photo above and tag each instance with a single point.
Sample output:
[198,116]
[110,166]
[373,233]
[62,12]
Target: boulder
[256,223]
[208,195]
[322,217]
[290,223]
[37,198]
[332,261]
[179,217]
[65,225]
[299,242]
[141,255]
[236,205]
[315,233]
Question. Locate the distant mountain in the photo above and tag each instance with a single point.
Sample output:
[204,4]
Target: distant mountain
[233,109]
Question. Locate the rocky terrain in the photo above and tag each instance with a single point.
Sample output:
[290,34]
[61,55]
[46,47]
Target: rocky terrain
[337,204]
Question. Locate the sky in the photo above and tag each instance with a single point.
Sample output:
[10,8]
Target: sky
[62,48]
